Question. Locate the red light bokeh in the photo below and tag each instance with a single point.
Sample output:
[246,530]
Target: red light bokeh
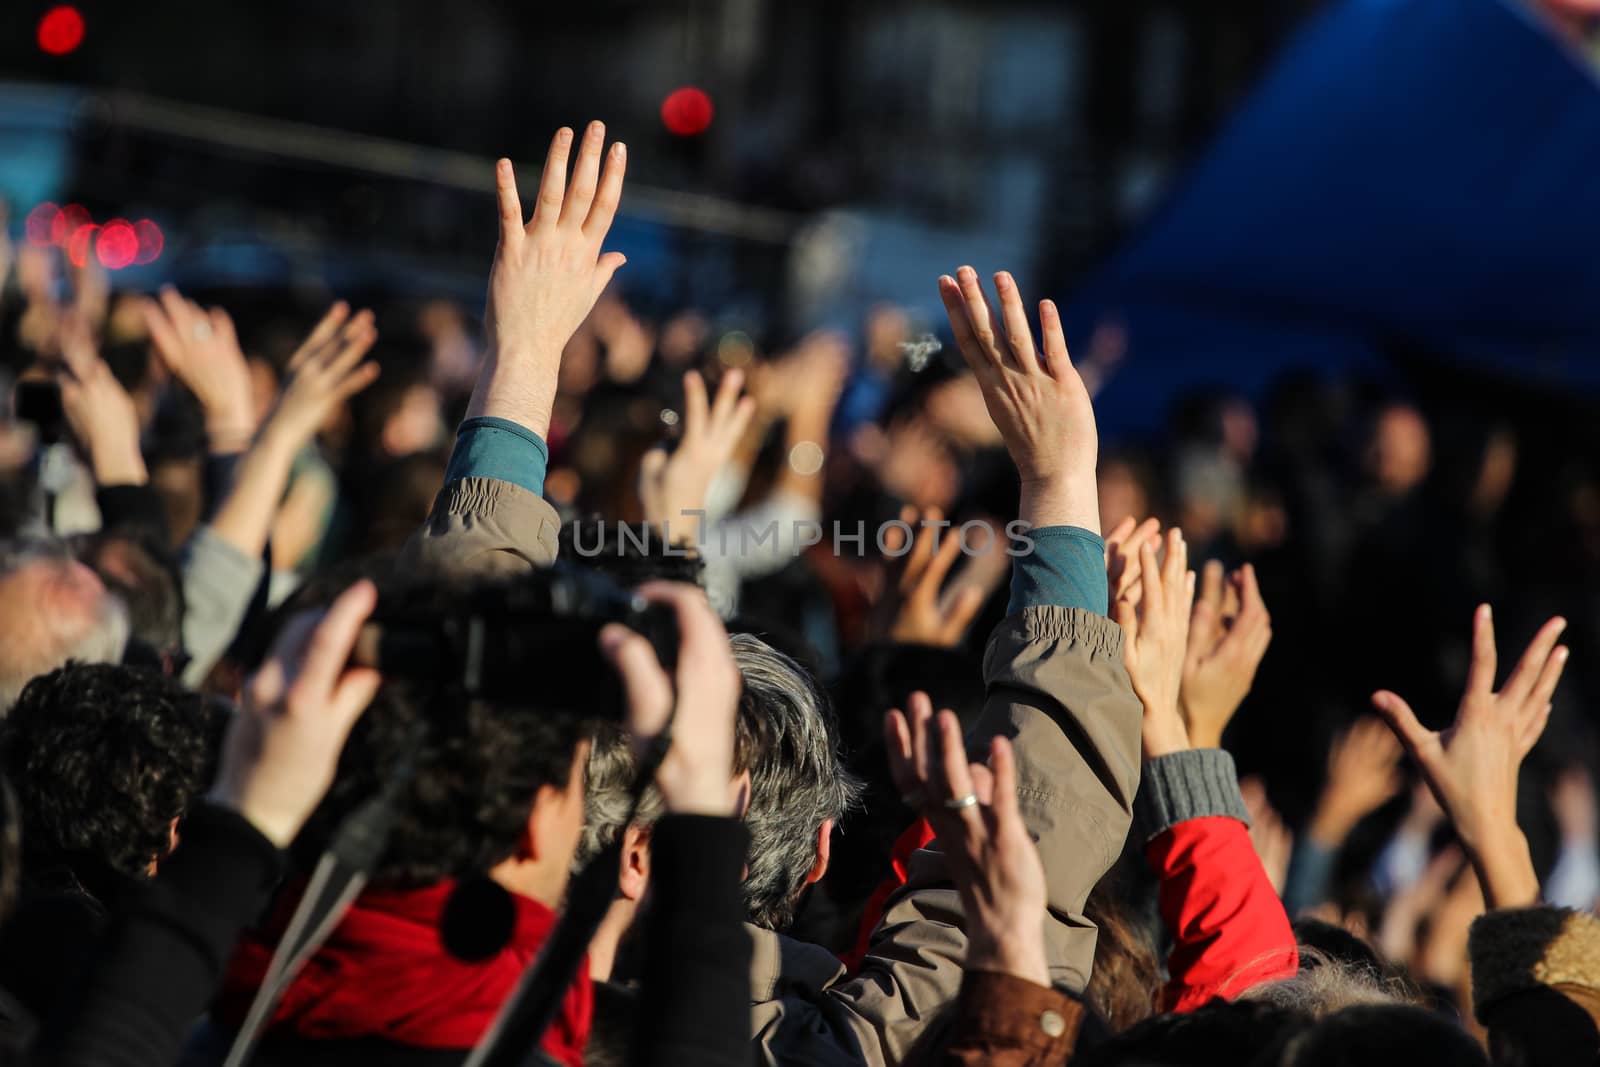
[67,222]
[687,111]
[61,30]
[117,245]
[151,242]
[78,244]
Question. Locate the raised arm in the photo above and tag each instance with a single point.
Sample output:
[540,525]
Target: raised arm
[547,274]
[1472,766]
[1058,693]
[1228,928]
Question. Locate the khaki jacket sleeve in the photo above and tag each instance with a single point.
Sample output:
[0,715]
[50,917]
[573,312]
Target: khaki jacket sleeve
[483,526]
[1058,689]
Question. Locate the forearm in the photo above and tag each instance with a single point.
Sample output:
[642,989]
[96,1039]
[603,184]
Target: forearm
[519,387]
[805,445]
[1070,500]
[245,518]
[1505,869]
[117,463]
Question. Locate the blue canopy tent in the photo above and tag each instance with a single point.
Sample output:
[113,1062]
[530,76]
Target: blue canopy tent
[1423,173]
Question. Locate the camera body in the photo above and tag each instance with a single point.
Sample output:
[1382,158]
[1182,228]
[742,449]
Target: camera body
[532,639]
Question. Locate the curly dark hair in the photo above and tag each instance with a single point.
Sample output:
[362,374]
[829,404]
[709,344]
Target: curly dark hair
[477,773]
[103,758]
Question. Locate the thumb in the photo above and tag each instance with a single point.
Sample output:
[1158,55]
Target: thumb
[1401,719]
[1125,615]
[608,265]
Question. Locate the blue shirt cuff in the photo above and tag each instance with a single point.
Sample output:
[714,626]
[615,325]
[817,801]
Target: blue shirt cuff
[1067,568]
[487,447]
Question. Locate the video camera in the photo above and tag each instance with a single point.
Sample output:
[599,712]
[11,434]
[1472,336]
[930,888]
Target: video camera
[532,639]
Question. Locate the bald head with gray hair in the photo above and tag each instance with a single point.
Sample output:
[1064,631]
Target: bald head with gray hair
[787,741]
[53,610]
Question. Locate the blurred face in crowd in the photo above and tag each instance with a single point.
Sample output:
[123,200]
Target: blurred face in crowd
[53,610]
[1401,450]
[1121,494]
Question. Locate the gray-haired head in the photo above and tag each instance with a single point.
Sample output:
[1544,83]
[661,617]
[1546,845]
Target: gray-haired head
[53,610]
[788,742]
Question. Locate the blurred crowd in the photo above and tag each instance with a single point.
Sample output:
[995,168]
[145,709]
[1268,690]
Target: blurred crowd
[183,474]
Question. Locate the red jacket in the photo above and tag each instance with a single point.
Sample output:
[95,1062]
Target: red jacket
[1228,927]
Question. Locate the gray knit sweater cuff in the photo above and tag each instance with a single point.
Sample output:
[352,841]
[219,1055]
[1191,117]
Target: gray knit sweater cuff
[1187,785]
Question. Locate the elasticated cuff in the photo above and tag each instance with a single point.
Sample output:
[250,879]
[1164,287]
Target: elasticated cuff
[1194,784]
[489,447]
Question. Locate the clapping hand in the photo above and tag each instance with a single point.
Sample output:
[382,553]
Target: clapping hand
[1156,625]
[1228,636]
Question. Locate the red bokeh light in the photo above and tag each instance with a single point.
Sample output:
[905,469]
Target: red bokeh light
[61,30]
[117,245]
[687,111]
[78,244]
[41,224]
[151,242]
[67,222]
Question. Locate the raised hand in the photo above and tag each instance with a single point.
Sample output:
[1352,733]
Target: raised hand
[202,351]
[973,810]
[1363,773]
[1122,557]
[298,709]
[324,372]
[912,610]
[696,777]
[1228,635]
[1036,399]
[671,486]
[548,272]
[1472,765]
[1156,627]
[98,409]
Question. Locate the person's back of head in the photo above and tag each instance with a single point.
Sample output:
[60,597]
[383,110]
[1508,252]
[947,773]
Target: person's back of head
[1381,1035]
[479,764]
[787,742]
[52,609]
[1219,1032]
[105,761]
[799,784]
[1325,985]
[1125,985]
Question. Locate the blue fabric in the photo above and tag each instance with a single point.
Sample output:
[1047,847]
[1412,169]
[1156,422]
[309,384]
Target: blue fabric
[487,447]
[1067,568]
[1310,875]
[1445,196]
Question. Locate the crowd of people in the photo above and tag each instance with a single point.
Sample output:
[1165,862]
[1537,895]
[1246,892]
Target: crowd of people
[702,700]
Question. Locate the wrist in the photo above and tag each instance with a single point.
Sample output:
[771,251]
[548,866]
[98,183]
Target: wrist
[518,388]
[1013,953]
[280,831]
[1330,825]
[1505,869]
[1164,734]
[229,438]
[119,467]
[1061,501]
